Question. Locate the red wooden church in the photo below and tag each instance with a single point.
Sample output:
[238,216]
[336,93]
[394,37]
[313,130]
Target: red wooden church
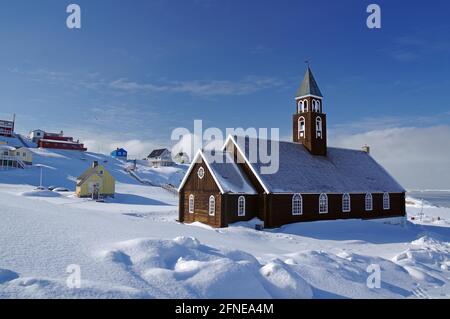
[313,182]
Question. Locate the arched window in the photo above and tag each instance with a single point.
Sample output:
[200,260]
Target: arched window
[319,127]
[212,205]
[369,202]
[301,127]
[323,204]
[241,206]
[318,106]
[300,107]
[191,204]
[305,105]
[386,201]
[346,203]
[297,205]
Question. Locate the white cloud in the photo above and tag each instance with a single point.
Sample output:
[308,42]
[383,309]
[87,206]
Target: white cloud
[419,157]
[248,85]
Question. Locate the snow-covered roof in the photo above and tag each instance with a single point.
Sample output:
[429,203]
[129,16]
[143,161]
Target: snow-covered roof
[60,142]
[158,153]
[226,173]
[229,175]
[7,148]
[341,171]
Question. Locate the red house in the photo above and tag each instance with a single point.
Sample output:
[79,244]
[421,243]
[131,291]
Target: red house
[56,141]
[7,128]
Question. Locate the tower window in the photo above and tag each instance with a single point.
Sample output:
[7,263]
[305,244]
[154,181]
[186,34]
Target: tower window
[300,107]
[212,205]
[241,206]
[323,204]
[318,106]
[301,127]
[305,105]
[386,201]
[297,205]
[191,204]
[319,127]
[346,203]
[369,202]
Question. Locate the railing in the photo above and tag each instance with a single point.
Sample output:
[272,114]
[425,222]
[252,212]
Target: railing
[15,162]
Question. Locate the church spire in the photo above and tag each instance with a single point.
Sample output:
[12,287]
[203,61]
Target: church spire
[310,121]
[309,86]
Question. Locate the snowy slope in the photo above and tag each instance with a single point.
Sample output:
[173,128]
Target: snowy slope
[61,168]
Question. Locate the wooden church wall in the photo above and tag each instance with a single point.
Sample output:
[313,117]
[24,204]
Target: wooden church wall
[280,209]
[202,189]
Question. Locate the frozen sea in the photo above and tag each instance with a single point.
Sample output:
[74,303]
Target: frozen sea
[433,197]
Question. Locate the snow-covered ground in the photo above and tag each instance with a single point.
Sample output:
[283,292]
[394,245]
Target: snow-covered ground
[132,246]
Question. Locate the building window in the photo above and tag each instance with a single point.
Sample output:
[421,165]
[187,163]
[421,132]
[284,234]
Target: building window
[297,205]
[323,204]
[305,105]
[318,106]
[191,204]
[386,201]
[212,205]
[201,173]
[346,203]
[300,107]
[301,127]
[369,202]
[318,127]
[241,206]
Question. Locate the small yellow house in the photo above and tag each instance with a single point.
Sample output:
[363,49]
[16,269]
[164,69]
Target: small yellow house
[25,155]
[96,183]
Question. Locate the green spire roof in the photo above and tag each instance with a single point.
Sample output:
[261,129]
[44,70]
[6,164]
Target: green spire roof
[309,85]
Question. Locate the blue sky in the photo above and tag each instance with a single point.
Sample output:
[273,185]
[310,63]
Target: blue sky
[138,69]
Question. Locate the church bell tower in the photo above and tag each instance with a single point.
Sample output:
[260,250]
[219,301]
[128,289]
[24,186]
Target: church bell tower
[309,120]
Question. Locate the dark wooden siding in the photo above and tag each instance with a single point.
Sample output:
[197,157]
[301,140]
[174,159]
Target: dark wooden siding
[202,189]
[230,208]
[280,209]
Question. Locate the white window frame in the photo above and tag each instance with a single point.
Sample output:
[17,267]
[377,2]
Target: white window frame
[201,172]
[212,206]
[323,197]
[300,107]
[368,203]
[305,105]
[386,201]
[301,133]
[297,205]
[319,127]
[191,204]
[346,203]
[241,206]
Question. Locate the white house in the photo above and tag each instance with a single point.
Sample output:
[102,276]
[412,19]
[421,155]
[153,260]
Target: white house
[36,135]
[160,158]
